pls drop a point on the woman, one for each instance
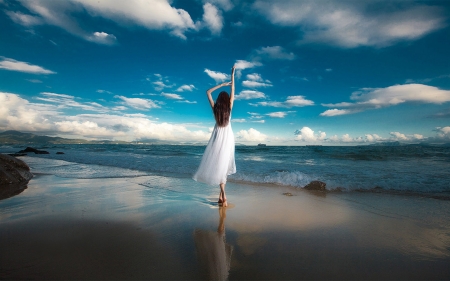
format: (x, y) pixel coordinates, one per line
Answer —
(218, 160)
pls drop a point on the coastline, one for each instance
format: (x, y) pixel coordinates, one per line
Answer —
(143, 227)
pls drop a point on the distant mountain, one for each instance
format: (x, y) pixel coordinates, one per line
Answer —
(16, 137)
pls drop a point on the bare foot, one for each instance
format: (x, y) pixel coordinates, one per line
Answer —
(225, 203)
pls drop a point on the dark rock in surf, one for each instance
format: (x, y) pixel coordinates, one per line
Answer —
(17, 154)
(59, 152)
(14, 176)
(316, 185)
(36, 151)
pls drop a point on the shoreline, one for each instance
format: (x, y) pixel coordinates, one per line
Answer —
(158, 227)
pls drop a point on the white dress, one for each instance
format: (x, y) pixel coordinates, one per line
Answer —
(218, 159)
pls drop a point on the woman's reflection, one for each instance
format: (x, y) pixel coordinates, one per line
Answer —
(213, 252)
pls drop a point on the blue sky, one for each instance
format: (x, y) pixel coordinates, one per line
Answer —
(308, 72)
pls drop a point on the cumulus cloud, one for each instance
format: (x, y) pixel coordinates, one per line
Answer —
(249, 94)
(102, 38)
(254, 80)
(14, 65)
(308, 135)
(243, 64)
(183, 88)
(212, 18)
(17, 113)
(138, 103)
(255, 84)
(251, 135)
(278, 114)
(373, 137)
(225, 5)
(369, 98)
(397, 136)
(272, 53)
(152, 14)
(217, 76)
(352, 24)
(291, 101)
(443, 132)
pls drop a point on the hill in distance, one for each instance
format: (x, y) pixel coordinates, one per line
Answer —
(16, 137)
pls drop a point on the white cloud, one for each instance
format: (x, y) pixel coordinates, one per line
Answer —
(258, 121)
(255, 84)
(14, 65)
(351, 24)
(138, 103)
(19, 114)
(255, 77)
(273, 53)
(334, 112)
(102, 38)
(66, 101)
(370, 98)
(251, 135)
(160, 85)
(443, 132)
(373, 137)
(172, 96)
(183, 88)
(279, 114)
(217, 76)
(151, 14)
(226, 5)
(24, 19)
(212, 18)
(103, 91)
(243, 64)
(291, 101)
(238, 120)
(186, 101)
(397, 136)
(308, 135)
(249, 94)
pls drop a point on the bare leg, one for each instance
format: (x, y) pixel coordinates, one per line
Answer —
(224, 197)
(220, 197)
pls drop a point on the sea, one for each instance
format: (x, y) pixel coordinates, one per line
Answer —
(422, 170)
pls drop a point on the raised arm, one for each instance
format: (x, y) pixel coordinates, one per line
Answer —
(208, 93)
(232, 87)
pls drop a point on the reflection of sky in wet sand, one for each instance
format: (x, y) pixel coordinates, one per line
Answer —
(340, 235)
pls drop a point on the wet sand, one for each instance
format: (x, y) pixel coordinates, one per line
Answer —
(159, 227)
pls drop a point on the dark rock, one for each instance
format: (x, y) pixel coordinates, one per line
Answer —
(288, 194)
(14, 176)
(316, 185)
(59, 152)
(30, 149)
(17, 154)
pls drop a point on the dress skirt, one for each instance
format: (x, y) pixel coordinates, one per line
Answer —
(218, 160)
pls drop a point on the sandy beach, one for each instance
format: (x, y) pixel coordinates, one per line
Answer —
(168, 227)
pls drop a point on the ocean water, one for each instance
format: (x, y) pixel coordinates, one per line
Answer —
(411, 169)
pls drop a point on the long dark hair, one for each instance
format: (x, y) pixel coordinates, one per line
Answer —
(222, 109)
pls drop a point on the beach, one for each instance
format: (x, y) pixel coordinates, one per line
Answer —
(170, 227)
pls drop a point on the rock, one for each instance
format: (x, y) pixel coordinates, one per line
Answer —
(30, 149)
(17, 154)
(288, 194)
(316, 185)
(14, 176)
(59, 152)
